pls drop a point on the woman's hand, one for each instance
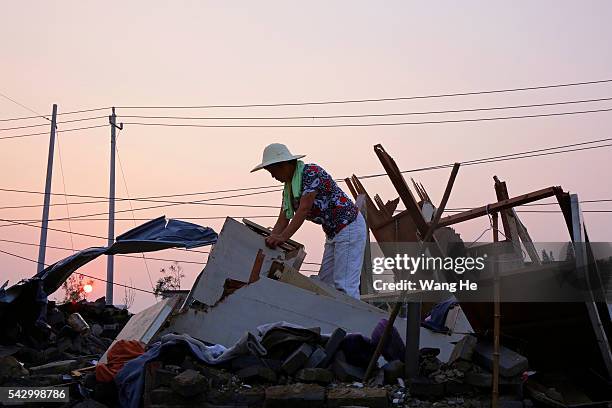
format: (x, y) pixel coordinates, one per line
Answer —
(275, 240)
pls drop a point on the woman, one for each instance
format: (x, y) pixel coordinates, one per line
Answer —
(312, 194)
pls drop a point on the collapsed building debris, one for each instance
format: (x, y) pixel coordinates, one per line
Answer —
(253, 331)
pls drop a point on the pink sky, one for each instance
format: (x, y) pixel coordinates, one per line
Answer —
(84, 54)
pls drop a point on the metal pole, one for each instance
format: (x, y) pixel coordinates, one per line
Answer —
(42, 247)
(111, 211)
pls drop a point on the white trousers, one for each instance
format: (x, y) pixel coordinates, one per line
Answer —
(343, 258)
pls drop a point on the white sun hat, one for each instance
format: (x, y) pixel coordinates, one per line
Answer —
(276, 153)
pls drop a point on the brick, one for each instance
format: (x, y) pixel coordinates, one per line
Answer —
(368, 397)
(315, 375)
(297, 359)
(189, 383)
(317, 358)
(511, 363)
(345, 371)
(333, 344)
(295, 395)
(464, 349)
(11, 368)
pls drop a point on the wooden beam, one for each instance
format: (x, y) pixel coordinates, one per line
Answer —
(499, 206)
(402, 188)
(449, 186)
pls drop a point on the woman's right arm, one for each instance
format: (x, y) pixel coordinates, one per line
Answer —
(281, 223)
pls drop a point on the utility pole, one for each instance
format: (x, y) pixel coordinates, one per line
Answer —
(42, 247)
(111, 208)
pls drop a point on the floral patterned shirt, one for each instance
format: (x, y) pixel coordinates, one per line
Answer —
(332, 208)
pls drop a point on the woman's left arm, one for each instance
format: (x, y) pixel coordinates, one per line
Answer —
(306, 202)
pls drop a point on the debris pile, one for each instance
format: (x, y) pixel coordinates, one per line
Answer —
(255, 332)
(60, 348)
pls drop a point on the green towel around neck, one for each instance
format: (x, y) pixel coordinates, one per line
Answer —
(295, 188)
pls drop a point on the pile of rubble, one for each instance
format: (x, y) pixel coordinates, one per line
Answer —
(69, 338)
(300, 367)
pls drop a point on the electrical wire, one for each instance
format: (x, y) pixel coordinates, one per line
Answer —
(82, 274)
(369, 115)
(491, 159)
(59, 152)
(402, 98)
(59, 123)
(127, 192)
(120, 255)
(339, 125)
(25, 107)
(46, 133)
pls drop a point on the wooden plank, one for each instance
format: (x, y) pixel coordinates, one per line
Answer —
(366, 281)
(526, 238)
(510, 230)
(498, 206)
(402, 188)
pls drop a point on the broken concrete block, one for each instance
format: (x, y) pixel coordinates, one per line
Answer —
(57, 367)
(315, 375)
(317, 358)
(189, 383)
(10, 367)
(393, 370)
(257, 374)
(333, 344)
(511, 363)
(345, 371)
(297, 359)
(367, 397)
(464, 349)
(295, 395)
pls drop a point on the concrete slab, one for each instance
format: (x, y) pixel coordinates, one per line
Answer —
(232, 258)
(144, 326)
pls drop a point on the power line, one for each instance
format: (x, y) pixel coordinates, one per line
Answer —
(121, 255)
(46, 133)
(338, 125)
(130, 202)
(79, 273)
(30, 222)
(366, 115)
(60, 113)
(329, 102)
(24, 107)
(59, 123)
(402, 98)
(142, 198)
(59, 151)
(490, 159)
